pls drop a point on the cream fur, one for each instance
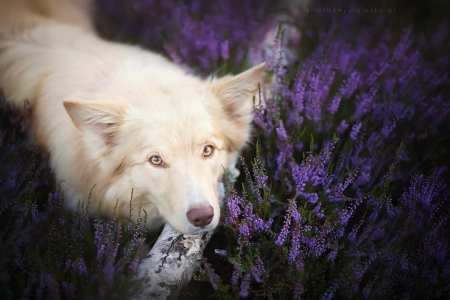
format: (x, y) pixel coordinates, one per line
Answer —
(102, 109)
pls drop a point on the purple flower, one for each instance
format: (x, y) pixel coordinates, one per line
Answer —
(81, 267)
(342, 127)
(236, 272)
(294, 252)
(294, 211)
(101, 252)
(281, 132)
(298, 290)
(375, 74)
(332, 255)
(334, 106)
(258, 224)
(317, 208)
(351, 84)
(212, 276)
(260, 265)
(311, 197)
(245, 286)
(108, 272)
(355, 131)
(284, 231)
(233, 203)
(259, 173)
(244, 229)
(256, 274)
(134, 265)
(220, 252)
(364, 103)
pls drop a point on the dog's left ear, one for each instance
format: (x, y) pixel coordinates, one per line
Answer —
(236, 92)
(99, 121)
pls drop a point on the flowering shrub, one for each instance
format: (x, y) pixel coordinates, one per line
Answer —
(343, 196)
(205, 35)
(331, 220)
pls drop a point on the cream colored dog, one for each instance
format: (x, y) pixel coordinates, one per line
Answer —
(121, 117)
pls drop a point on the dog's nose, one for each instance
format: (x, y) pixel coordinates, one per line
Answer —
(200, 216)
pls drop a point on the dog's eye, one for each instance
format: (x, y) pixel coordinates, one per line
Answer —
(156, 160)
(208, 151)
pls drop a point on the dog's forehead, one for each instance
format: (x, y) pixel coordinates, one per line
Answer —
(174, 109)
(175, 121)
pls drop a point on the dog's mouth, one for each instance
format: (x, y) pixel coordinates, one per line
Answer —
(193, 230)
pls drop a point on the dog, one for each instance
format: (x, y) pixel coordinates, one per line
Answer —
(124, 119)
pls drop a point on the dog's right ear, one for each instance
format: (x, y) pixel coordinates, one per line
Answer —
(99, 121)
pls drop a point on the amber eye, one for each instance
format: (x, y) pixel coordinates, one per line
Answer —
(208, 150)
(156, 160)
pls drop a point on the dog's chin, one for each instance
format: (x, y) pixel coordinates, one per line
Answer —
(198, 231)
(192, 230)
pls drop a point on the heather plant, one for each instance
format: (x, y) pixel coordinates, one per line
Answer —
(331, 220)
(308, 247)
(344, 194)
(404, 248)
(371, 97)
(203, 35)
(47, 253)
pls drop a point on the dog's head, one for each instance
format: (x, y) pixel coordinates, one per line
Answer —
(169, 143)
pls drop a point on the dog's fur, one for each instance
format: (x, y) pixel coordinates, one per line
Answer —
(102, 109)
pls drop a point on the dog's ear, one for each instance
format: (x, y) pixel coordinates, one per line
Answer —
(99, 121)
(235, 94)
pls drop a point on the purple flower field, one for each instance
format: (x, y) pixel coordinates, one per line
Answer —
(343, 194)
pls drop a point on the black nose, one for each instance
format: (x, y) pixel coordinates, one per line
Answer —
(200, 216)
